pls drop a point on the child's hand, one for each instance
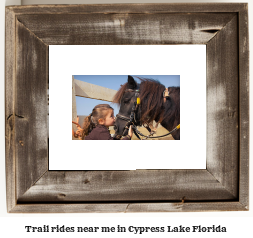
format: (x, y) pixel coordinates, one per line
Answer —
(130, 131)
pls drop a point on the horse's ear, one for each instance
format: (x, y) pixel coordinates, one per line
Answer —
(131, 82)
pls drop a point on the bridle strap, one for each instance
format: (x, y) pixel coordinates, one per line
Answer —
(148, 137)
(123, 117)
(131, 120)
(136, 134)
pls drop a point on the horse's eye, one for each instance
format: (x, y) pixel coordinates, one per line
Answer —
(127, 100)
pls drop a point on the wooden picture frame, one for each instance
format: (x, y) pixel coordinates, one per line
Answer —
(222, 186)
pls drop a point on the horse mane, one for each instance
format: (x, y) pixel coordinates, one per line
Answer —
(173, 113)
(117, 97)
(151, 97)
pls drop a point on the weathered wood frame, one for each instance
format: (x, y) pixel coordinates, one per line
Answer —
(222, 186)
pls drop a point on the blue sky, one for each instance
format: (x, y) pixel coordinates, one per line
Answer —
(85, 105)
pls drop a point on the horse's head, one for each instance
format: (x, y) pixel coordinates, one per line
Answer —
(127, 98)
(154, 105)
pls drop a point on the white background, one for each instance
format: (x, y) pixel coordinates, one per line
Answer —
(187, 153)
(239, 224)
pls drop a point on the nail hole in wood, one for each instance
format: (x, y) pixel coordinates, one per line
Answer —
(61, 195)
(86, 181)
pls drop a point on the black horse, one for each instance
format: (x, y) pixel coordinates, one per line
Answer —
(153, 105)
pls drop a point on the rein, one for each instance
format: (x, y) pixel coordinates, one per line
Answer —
(132, 120)
(151, 134)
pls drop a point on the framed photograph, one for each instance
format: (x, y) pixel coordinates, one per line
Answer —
(215, 111)
(174, 65)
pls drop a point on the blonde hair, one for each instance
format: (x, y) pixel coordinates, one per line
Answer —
(90, 122)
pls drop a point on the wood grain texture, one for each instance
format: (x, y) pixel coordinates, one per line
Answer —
(129, 207)
(186, 207)
(88, 90)
(222, 107)
(223, 186)
(10, 65)
(131, 29)
(30, 108)
(74, 112)
(155, 8)
(139, 185)
(244, 106)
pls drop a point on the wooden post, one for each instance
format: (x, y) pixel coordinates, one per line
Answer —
(74, 113)
(88, 90)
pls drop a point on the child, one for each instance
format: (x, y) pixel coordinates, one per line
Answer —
(95, 126)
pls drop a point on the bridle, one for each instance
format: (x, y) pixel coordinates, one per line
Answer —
(132, 119)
